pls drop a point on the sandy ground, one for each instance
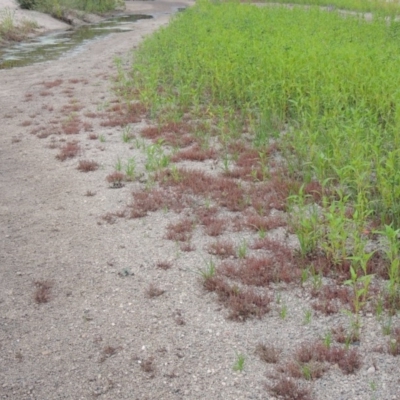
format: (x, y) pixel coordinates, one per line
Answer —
(99, 335)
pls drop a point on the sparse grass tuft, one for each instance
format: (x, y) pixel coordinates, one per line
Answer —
(239, 363)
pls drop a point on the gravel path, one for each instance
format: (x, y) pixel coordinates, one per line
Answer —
(101, 334)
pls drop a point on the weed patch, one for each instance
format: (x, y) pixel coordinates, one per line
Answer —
(87, 165)
(69, 150)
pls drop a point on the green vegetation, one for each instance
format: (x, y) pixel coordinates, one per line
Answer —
(239, 363)
(331, 81)
(11, 30)
(376, 6)
(312, 99)
(56, 7)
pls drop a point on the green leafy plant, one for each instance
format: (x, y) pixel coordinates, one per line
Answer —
(118, 165)
(130, 169)
(307, 317)
(283, 311)
(209, 271)
(126, 134)
(239, 363)
(156, 158)
(242, 250)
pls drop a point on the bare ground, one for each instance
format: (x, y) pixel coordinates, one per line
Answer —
(77, 319)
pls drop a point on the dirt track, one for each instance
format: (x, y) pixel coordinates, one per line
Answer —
(99, 336)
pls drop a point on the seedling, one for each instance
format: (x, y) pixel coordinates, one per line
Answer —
(209, 271)
(387, 327)
(239, 363)
(242, 250)
(118, 165)
(262, 233)
(307, 317)
(126, 134)
(130, 169)
(156, 158)
(328, 339)
(283, 311)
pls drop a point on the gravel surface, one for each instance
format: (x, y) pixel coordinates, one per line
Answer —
(77, 319)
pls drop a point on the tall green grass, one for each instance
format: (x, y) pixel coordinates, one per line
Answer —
(55, 7)
(383, 7)
(332, 81)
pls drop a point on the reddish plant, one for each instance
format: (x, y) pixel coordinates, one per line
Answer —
(115, 179)
(222, 190)
(187, 247)
(164, 265)
(87, 166)
(155, 199)
(260, 223)
(222, 248)
(74, 106)
(43, 291)
(309, 370)
(288, 389)
(214, 226)
(147, 365)
(44, 134)
(90, 114)
(242, 304)
(69, 150)
(122, 115)
(194, 153)
(331, 298)
(51, 84)
(72, 126)
(180, 231)
(268, 354)
(348, 360)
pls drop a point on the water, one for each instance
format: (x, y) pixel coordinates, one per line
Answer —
(56, 44)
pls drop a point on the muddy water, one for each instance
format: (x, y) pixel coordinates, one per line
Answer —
(57, 44)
